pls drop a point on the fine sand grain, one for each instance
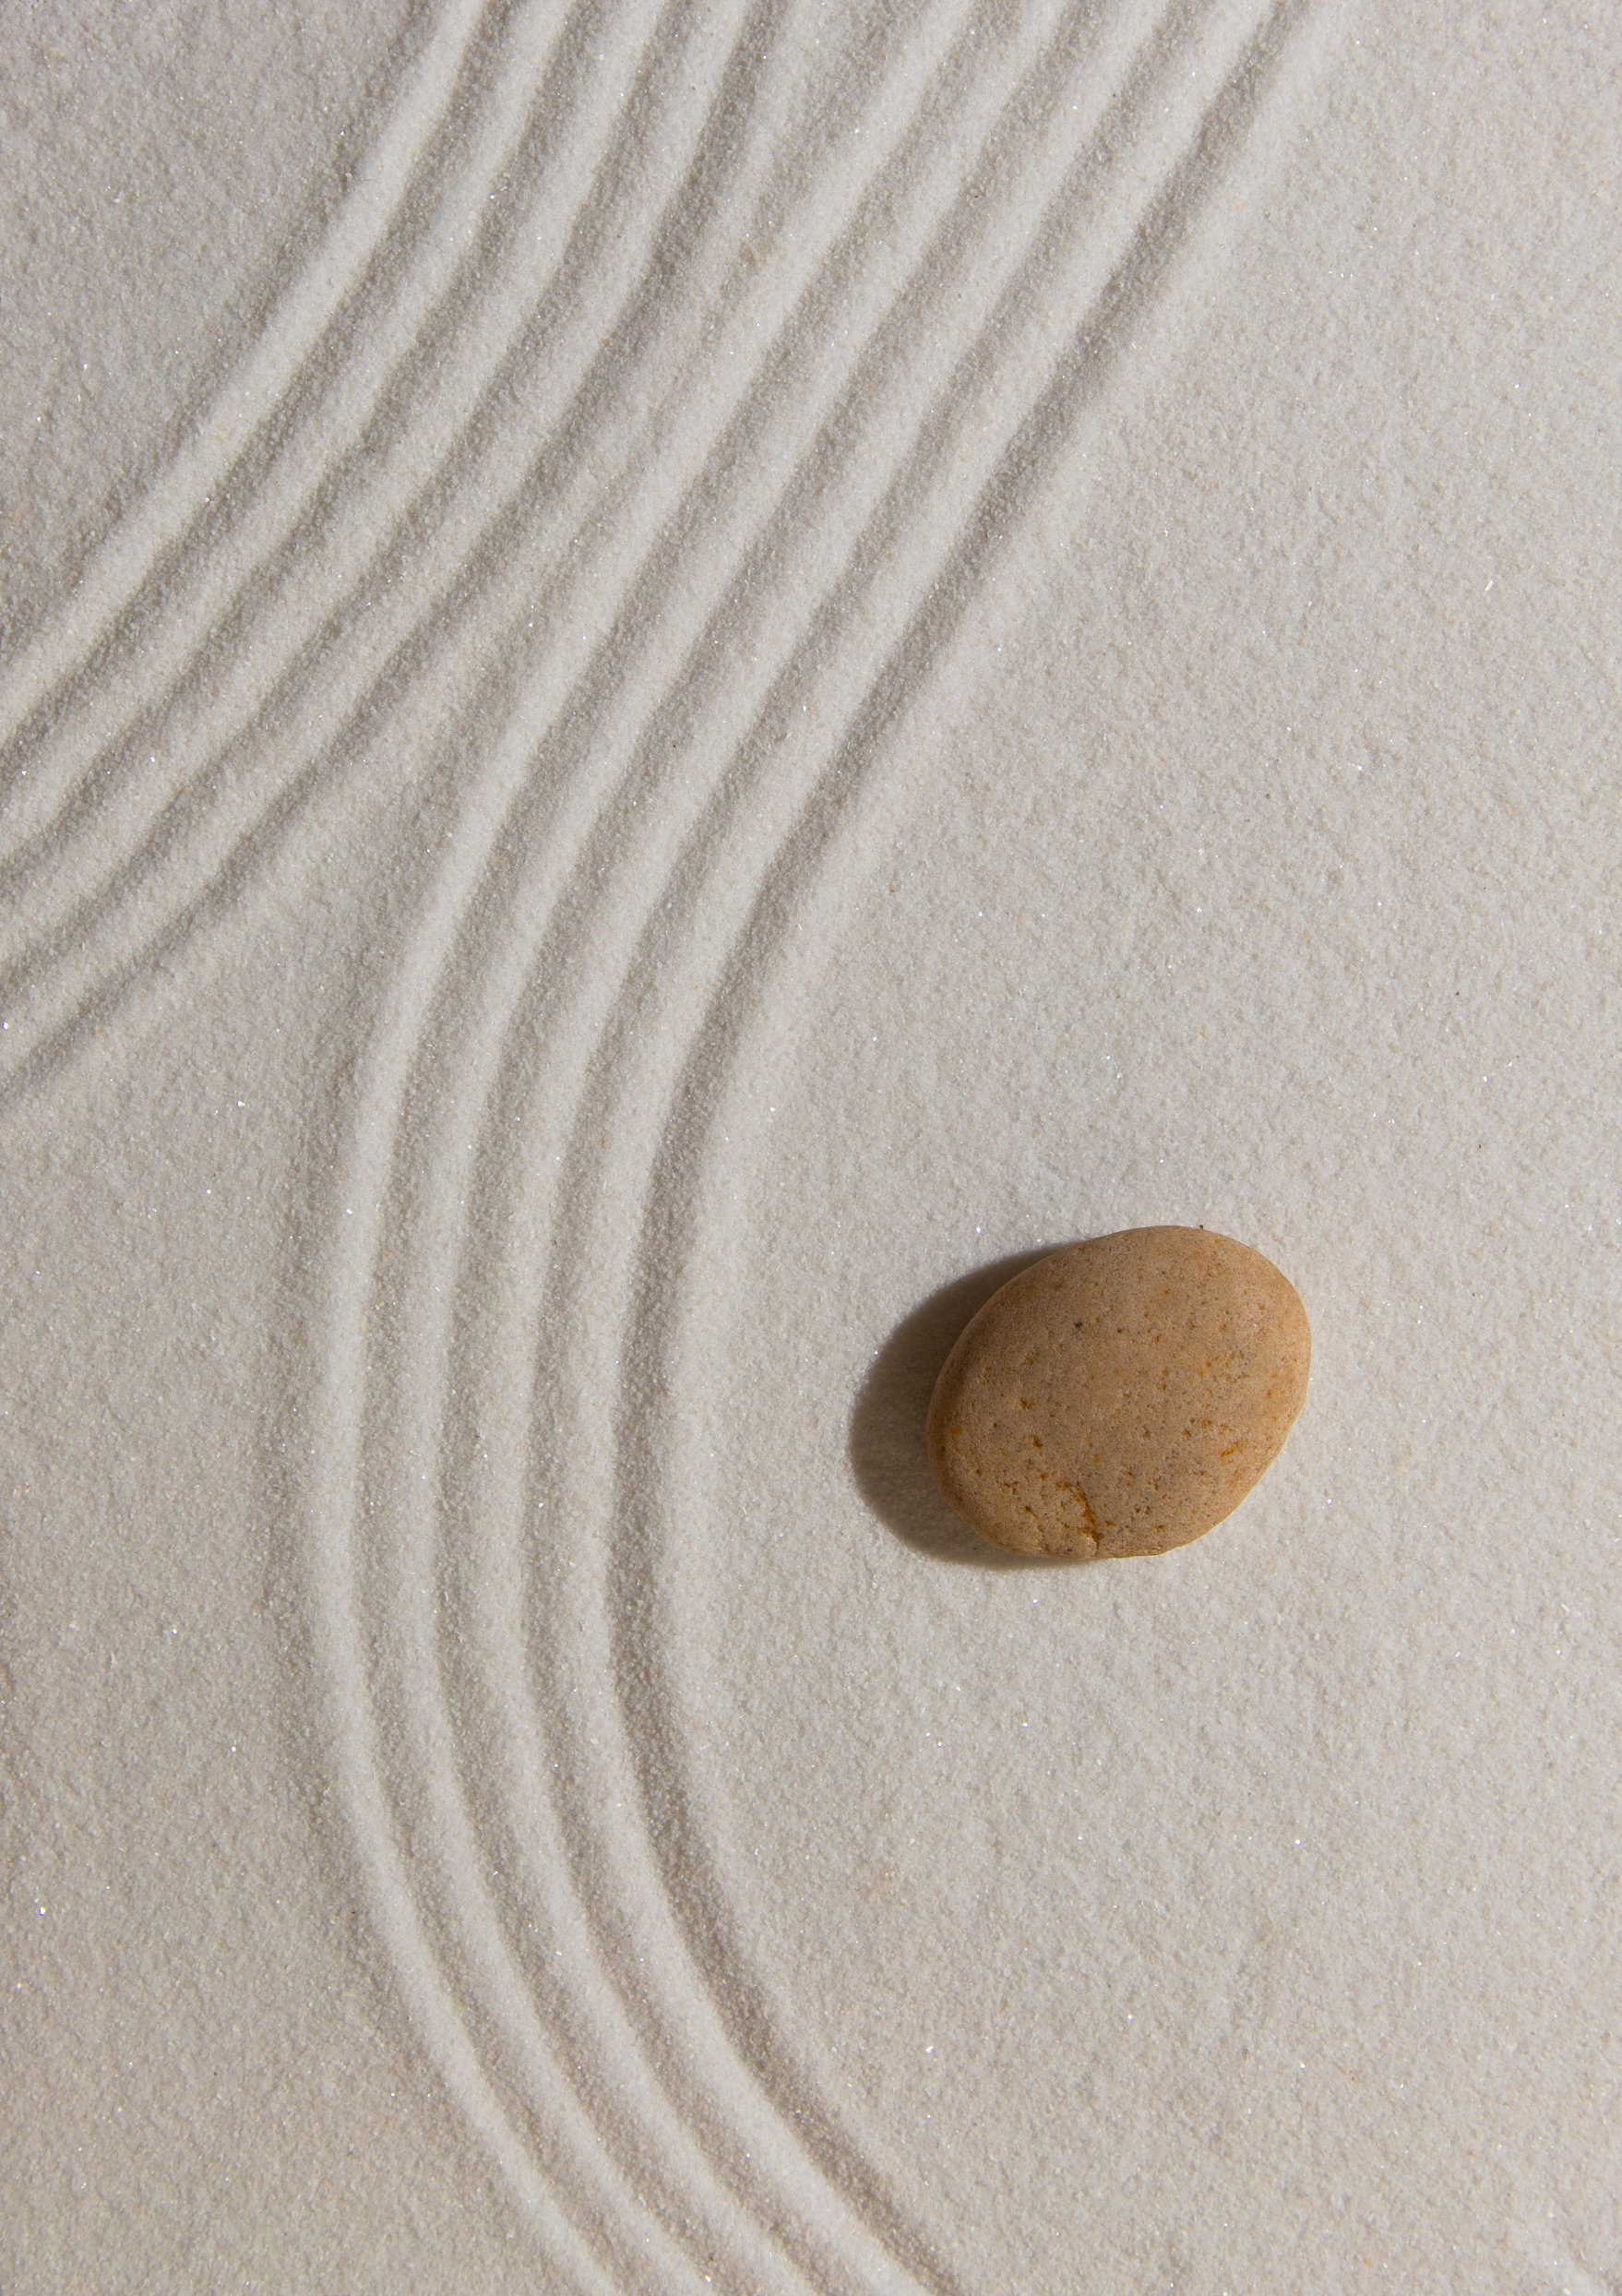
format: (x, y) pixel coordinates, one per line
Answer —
(676, 682)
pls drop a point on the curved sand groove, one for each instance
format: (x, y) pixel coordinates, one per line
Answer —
(969, 690)
(247, 850)
(125, 560)
(656, 1454)
(650, 1413)
(72, 944)
(352, 688)
(338, 402)
(299, 608)
(401, 399)
(414, 1952)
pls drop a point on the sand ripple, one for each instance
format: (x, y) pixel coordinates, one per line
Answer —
(608, 484)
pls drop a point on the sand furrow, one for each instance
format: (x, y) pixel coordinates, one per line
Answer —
(446, 1162)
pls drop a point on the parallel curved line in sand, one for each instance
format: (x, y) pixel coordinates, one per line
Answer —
(336, 484)
(70, 939)
(354, 1751)
(309, 497)
(1125, 305)
(249, 850)
(649, 1411)
(476, 2112)
(394, 1884)
(203, 593)
(136, 544)
(74, 933)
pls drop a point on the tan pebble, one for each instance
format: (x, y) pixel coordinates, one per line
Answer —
(1120, 1396)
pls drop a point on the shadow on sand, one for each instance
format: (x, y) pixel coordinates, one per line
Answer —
(888, 1456)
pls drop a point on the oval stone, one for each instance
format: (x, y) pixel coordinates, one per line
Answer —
(1121, 1396)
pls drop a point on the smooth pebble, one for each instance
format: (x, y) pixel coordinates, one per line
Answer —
(1120, 1396)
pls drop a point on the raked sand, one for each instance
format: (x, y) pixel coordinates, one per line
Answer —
(676, 680)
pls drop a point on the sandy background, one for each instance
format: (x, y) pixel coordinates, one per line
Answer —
(674, 678)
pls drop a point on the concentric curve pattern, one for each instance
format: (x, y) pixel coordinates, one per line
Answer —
(604, 492)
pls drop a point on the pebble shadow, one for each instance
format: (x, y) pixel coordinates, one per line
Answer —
(888, 1456)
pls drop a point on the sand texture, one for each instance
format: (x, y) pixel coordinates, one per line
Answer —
(677, 681)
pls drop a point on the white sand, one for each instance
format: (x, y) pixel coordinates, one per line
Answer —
(673, 679)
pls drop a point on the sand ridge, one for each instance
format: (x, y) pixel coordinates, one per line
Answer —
(525, 667)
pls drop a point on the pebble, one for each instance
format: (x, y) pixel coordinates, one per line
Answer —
(1121, 1396)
